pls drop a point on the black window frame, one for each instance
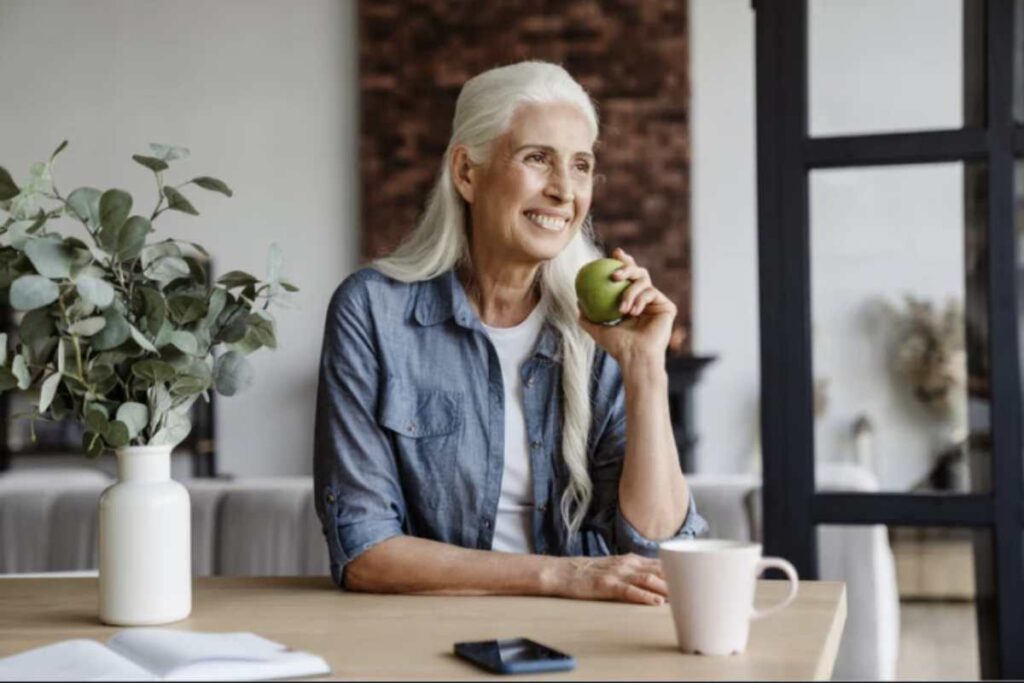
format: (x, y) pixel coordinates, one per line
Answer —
(786, 154)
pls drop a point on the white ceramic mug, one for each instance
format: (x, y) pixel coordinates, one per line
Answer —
(711, 591)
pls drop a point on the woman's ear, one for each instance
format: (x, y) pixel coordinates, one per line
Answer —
(463, 173)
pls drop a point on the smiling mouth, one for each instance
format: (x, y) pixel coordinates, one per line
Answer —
(547, 222)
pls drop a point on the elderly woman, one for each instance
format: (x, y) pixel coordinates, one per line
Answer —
(475, 434)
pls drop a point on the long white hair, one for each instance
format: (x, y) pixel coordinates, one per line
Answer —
(483, 113)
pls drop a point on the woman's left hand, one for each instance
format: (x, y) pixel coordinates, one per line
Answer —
(647, 321)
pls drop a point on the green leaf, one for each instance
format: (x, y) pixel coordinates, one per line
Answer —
(95, 291)
(177, 202)
(232, 373)
(40, 351)
(132, 238)
(188, 385)
(114, 333)
(140, 339)
(30, 292)
(36, 325)
(159, 404)
(176, 427)
(92, 444)
(61, 362)
(115, 205)
(218, 297)
(232, 324)
(60, 148)
(135, 416)
(48, 391)
(20, 369)
(186, 308)
(51, 258)
(196, 269)
(208, 183)
(155, 251)
(236, 278)
(3, 348)
(169, 152)
(117, 434)
(289, 287)
(7, 379)
(99, 372)
(38, 223)
(152, 163)
(149, 309)
(87, 327)
(153, 371)
(96, 420)
(8, 188)
(199, 248)
(263, 330)
(184, 341)
(85, 205)
(168, 269)
(163, 337)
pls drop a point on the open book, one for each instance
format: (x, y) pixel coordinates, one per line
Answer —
(153, 654)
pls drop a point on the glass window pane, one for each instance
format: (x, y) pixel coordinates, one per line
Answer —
(897, 302)
(912, 601)
(886, 65)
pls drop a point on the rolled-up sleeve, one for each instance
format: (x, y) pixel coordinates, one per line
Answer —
(607, 456)
(357, 491)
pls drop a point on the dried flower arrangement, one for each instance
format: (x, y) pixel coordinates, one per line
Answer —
(929, 353)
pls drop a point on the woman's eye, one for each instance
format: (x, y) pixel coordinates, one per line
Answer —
(536, 156)
(583, 166)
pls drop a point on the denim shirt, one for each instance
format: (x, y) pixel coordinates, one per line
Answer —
(410, 428)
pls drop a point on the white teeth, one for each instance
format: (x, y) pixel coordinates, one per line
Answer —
(548, 222)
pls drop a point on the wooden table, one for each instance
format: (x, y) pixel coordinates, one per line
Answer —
(410, 637)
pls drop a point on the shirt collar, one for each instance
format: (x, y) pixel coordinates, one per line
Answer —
(443, 298)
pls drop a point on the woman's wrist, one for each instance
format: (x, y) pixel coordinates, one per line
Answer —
(549, 576)
(643, 368)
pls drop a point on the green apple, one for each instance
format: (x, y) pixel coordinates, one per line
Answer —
(598, 293)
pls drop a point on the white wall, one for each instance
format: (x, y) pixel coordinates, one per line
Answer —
(725, 307)
(875, 232)
(264, 93)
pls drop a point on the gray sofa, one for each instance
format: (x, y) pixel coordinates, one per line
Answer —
(264, 527)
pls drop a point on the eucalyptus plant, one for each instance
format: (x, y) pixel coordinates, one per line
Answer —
(120, 331)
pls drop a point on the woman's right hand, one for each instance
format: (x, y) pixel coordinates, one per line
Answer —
(626, 578)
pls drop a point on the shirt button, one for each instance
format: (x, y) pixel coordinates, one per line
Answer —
(535, 444)
(529, 381)
(487, 524)
(412, 426)
(330, 497)
(542, 507)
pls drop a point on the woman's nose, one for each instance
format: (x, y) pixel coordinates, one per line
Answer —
(560, 187)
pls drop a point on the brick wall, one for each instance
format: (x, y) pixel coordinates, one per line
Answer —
(632, 57)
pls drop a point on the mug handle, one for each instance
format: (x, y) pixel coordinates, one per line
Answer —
(794, 582)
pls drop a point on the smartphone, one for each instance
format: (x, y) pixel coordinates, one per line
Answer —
(514, 656)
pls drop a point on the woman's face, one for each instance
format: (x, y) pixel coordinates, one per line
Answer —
(531, 197)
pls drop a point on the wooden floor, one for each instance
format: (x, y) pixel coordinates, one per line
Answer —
(938, 641)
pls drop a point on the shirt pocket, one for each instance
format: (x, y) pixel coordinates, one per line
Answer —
(426, 426)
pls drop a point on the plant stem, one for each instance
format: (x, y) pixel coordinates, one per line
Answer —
(159, 194)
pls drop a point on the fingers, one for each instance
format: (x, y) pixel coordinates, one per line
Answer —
(644, 583)
(631, 593)
(641, 292)
(621, 255)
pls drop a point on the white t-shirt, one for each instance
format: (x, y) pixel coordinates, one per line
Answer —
(512, 533)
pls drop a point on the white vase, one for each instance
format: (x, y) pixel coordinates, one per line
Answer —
(145, 542)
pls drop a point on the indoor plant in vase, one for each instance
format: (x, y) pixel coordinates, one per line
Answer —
(123, 333)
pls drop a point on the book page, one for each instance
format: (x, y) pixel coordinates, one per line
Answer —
(188, 655)
(71, 660)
